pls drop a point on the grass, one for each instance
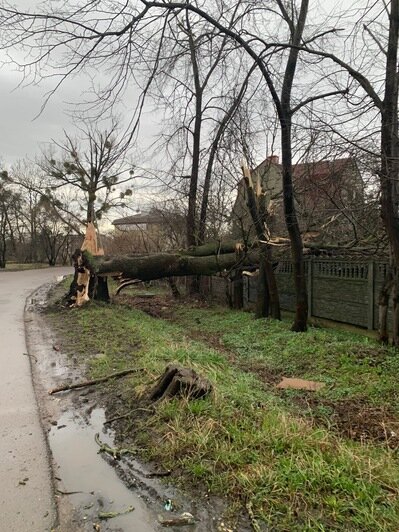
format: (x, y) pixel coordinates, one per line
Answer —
(351, 365)
(249, 441)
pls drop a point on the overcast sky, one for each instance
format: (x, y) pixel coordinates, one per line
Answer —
(22, 134)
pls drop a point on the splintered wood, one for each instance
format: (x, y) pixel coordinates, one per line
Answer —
(90, 243)
(300, 384)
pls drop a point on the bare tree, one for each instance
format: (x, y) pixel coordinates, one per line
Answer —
(54, 233)
(295, 20)
(377, 28)
(9, 208)
(95, 167)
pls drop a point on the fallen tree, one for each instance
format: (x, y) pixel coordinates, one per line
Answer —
(91, 272)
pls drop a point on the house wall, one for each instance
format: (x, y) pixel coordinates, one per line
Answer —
(320, 199)
(270, 177)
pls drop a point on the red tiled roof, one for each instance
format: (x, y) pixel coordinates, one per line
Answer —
(321, 169)
(313, 171)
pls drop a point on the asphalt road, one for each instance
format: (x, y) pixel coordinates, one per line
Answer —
(26, 498)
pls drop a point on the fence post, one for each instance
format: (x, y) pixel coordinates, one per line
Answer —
(310, 286)
(370, 296)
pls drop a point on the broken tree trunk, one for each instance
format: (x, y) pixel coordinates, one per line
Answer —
(162, 265)
(213, 248)
(180, 382)
(149, 267)
(268, 301)
(86, 283)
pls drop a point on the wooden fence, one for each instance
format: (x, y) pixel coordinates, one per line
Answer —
(344, 291)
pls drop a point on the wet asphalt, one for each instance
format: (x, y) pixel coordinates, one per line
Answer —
(26, 497)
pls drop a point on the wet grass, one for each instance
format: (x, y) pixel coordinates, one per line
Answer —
(351, 365)
(248, 440)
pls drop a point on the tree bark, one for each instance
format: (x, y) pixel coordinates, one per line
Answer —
(389, 174)
(285, 117)
(383, 305)
(163, 265)
(90, 270)
(263, 296)
(267, 285)
(180, 382)
(212, 248)
(237, 299)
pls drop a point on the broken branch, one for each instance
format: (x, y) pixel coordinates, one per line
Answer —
(94, 381)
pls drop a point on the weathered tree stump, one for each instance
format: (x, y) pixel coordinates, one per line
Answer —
(177, 381)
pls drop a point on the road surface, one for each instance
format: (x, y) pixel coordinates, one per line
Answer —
(26, 498)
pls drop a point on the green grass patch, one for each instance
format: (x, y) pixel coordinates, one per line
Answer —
(247, 440)
(351, 365)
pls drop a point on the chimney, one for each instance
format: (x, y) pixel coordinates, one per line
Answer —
(272, 159)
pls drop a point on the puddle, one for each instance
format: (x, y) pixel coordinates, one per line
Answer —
(81, 469)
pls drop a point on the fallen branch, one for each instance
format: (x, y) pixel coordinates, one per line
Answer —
(60, 492)
(111, 515)
(112, 451)
(83, 384)
(125, 284)
(254, 522)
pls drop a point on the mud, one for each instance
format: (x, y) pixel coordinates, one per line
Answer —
(352, 418)
(157, 306)
(87, 483)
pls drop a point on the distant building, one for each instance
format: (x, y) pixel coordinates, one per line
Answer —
(328, 194)
(149, 232)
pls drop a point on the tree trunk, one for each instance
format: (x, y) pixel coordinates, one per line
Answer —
(262, 296)
(173, 287)
(237, 296)
(389, 174)
(212, 248)
(146, 268)
(395, 309)
(383, 305)
(267, 285)
(177, 381)
(272, 289)
(301, 310)
(163, 265)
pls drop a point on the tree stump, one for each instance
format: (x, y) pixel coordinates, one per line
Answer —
(177, 381)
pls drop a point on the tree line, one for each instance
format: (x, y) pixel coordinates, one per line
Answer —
(228, 78)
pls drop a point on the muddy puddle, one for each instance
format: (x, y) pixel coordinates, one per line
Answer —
(98, 488)
(88, 483)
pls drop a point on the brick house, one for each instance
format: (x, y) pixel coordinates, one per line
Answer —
(329, 197)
